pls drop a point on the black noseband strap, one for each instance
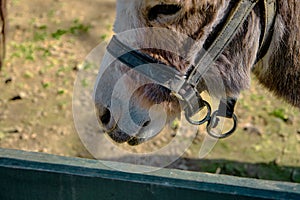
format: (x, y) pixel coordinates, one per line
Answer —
(159, 73)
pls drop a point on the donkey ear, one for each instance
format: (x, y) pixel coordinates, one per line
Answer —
(280, 69)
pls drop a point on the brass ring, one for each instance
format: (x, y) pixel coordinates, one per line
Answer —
(212, 124)
(205, 119)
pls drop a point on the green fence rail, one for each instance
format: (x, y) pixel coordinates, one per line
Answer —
(25, 175)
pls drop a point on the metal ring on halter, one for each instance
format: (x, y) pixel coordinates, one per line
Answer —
(206, 119)
(212, 124)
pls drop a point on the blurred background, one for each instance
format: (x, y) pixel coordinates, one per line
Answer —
(46, 43)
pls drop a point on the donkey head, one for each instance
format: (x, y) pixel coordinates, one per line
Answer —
(193, 19)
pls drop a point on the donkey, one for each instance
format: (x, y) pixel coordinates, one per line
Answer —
(278, 68)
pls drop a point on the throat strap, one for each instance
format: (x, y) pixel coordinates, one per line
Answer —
(269, 14)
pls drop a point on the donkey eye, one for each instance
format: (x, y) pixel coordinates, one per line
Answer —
(162, 9)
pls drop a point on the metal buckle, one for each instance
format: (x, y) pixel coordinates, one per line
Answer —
(214, 123)
(171, 79)
(205, 119)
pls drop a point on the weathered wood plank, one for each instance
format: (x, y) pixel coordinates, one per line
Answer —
(31, 176)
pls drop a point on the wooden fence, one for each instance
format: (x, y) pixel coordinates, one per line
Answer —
(25, 175)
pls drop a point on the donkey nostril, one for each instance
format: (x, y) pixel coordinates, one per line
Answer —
(105, 118)
(146, 123)
(162, 9)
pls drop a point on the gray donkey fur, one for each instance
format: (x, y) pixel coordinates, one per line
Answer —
(279, 70)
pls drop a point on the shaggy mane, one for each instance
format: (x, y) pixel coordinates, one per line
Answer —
(280, 70)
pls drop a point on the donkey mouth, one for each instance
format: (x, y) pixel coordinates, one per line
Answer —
(136, 141)
(120, 137)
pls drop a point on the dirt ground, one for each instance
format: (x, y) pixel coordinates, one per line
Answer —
(47, 42)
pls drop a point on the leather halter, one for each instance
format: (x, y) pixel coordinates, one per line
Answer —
(185, 86)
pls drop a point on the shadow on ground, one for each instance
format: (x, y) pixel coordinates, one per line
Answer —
(268, 171)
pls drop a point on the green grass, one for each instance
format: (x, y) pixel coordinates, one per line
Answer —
(85, 83)
(59, 33)
(103, 36)
(63, 69)
(15, 2)
(38, 36)
(51, 13)
(61, 91)
(28, 51)
(40, 33)
(279, 113)
(46, 85)
(28, 74)
(23, 50)
(76, 28)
